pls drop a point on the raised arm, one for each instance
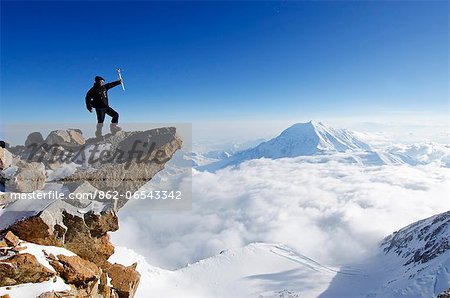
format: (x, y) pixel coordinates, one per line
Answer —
(112, 84)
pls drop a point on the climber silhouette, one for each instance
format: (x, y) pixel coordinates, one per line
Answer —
(97, 97)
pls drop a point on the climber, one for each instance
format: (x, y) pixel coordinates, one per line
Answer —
(97, 97)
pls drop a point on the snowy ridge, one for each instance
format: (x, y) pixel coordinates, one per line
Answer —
(422, 241)
(275, 270)
(413, 262)
(256, 270)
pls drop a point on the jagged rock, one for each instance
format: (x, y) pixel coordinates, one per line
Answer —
(104, 289)
(80, 193)
(79, 293)
(5, 158)
(75, 270)
(87, 242)
(38, 230)
(22, 268)
(129, 171)
(428, 231)
(51, 155)
(18, 249)
(34, 138)
(76, 136)
(86, 235)
(82, 227)
(17, 150)
(445, 294)
(11, 239)
(66, 138)
(30, 176)
(124, 280)
(53, 294)
(100, 224)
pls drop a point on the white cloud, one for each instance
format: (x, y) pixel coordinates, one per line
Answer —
(333, 212)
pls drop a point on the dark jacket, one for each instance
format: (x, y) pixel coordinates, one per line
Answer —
(97, 96)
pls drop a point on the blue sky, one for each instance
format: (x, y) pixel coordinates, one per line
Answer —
(227, 61)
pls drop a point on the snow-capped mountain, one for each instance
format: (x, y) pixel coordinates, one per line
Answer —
(306, 139)
(301, 139)
(316, 139)
(413, 262)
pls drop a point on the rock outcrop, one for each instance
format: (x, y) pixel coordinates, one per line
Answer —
(5, 158)
(124, 279)
(75, 270)
(429, 232)
(22, 268)
(119, 163)
(30, 176)
(445, 294)
(34, 138)
(65, 138)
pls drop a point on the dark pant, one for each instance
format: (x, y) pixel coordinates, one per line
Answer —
(108, 111)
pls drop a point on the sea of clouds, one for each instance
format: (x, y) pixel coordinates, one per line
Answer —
(331, 211)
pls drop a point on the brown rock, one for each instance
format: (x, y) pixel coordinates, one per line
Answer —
(75, 270)
(3, 243)
(5, 296)
(65, 138)
(76, 136)
(38, 230)
(86, 236)
(22, 268)
(86, 291)
(53, 294)
(103, 289)
(88, 244)
(19, 248)
(100, 224)
(124, 280)
(11, 239)
(5, 158)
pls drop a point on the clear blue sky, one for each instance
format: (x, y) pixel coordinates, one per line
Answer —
(191, 61)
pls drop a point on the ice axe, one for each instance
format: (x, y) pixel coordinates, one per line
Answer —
(120, 77)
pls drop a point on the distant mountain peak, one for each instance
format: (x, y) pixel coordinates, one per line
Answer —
(308, 138)
(300, 139)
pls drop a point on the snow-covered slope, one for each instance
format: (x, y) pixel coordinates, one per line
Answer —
(301, 139)
(413, 262)
(256, 270)
(306, 139)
